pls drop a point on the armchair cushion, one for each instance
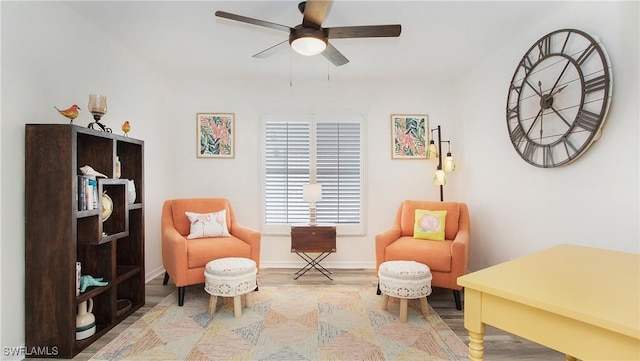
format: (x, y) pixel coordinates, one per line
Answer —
(429, 225)
(208, 224)
(202, 250)
(422, 252)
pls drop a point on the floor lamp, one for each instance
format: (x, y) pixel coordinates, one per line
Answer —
(435, 151)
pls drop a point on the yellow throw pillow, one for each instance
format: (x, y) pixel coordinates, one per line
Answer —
(429, 225)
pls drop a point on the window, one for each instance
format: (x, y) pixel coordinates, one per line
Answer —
(311, 149)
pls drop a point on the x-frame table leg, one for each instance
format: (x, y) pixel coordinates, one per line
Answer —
(313, 263)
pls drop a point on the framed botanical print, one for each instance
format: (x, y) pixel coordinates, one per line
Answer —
(409, 136)
(215, 135)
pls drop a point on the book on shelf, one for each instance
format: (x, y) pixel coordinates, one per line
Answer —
(87, 193)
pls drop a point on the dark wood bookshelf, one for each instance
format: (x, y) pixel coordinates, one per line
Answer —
(57, 234)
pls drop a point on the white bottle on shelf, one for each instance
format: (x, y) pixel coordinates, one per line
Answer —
(118, 170)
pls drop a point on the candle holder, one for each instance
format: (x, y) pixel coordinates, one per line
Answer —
(98, 107)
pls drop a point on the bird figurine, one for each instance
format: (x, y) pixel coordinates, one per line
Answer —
(71, 113)
(126, 127)
(88, 170)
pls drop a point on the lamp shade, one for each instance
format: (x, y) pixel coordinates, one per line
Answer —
(312, 193)
(449, 163)
(432, 151)
(308, 46)
(439, 178)
(307, 41)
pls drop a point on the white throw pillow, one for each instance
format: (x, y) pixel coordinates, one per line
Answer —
(208, 224)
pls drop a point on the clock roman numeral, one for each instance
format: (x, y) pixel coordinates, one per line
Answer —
(512, 112)
(587, 120)
(515, 87)
(547, 156)
(526, 63)
(595, 84)
(529, 150)
(517, 134)
(544, 47)
(586, 53)
(569, 147)
(566, 40)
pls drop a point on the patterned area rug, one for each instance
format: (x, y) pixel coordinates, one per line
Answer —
(287, 323)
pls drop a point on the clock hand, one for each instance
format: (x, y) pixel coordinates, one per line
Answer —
(560, 115)
(541, 111)
(560, 77)
(559, 90)
(539, 115)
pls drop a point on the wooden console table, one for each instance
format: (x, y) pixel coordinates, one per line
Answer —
(319, 239)
(581, 301)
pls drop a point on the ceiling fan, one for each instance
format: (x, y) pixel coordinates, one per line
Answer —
(310, 38)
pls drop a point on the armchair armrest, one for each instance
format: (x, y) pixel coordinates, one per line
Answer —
(384, 239)
(249, 236)
(459, 255)
(174, 254)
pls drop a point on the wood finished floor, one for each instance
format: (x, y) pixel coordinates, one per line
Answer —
(498, 345)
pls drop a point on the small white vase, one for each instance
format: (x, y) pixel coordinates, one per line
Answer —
(85, 320)
(131, 189)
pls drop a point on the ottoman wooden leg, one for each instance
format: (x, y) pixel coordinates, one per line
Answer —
(385, 301)
(249, 299)
(237, 306)
(403, 309)
(213, 301)
(425, 306)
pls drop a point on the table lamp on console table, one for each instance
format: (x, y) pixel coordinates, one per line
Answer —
(312, 193)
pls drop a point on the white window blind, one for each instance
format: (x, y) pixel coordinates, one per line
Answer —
(338, 170)
(287, 164)
(297, 152)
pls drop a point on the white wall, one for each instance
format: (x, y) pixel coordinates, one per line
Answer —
(50, 56)
(517, 208)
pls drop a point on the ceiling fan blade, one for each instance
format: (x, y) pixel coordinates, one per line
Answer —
(272, 50)
(315, 11)
(366, 31)
(248, 20)
(334, 56)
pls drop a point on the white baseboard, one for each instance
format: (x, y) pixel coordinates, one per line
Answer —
(328, 264)
(153, 274)
(283, 264)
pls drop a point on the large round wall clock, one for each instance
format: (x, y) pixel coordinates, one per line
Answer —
(558, 98)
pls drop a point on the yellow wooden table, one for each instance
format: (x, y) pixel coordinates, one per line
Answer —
(581, 301)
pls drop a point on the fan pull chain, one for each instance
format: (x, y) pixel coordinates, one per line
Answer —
(290, 71)
(328, 71)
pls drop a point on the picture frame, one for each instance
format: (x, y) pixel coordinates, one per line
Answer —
(409, 136)
(215, 136)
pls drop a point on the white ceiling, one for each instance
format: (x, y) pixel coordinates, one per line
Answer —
(439, 41)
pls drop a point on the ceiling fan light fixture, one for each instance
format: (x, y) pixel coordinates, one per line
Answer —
(308, 41)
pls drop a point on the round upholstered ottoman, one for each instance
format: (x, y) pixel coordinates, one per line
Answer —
(230, 277)
(405, 280)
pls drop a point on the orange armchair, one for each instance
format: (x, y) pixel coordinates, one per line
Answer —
(447, 259)
(185, 259)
